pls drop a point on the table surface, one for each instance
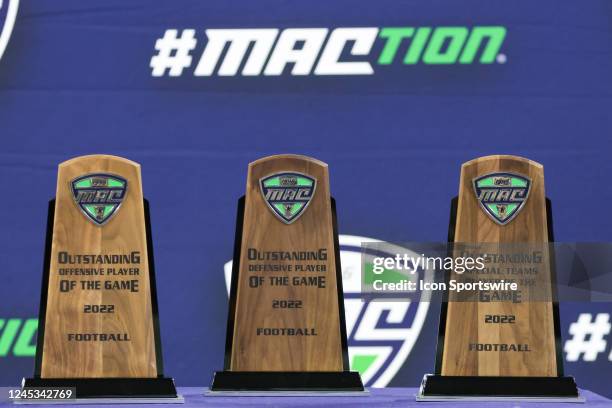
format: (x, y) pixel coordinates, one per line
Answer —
(377, 397)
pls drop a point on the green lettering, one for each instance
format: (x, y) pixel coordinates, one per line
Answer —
(434, 53)
(394, 36)
(495, 36)
(25, 346)
(417, 45)
(8, 335)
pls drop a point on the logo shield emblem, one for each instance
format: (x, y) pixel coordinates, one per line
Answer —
(99, 195)
(287, 194)
(502, 195)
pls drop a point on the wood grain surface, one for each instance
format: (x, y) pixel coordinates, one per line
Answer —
(534, 324)
(75, 234)
(263, 231)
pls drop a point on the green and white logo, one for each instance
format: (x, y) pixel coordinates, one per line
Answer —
(99, 196)
(502, 195)
(323, 51)
(287, 194)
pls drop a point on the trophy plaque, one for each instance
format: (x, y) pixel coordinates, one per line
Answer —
(99, 326)
(286, 328)
(489, 347)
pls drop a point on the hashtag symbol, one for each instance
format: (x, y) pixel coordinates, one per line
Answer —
(173, 53)
(587, 337)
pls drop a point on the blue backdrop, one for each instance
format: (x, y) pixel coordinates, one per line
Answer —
(75, 79)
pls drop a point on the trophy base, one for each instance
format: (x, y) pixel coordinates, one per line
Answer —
(445, 387)
(329, 381)
(159, 387)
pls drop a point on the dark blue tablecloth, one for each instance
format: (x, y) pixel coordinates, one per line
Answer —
(378, 397)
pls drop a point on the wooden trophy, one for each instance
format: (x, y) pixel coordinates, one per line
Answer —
(286, 329)
(99, 326)
(500, 345)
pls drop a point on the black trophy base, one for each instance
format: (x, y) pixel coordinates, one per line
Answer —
(263, 381)
(447, 386)
(159, 387)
